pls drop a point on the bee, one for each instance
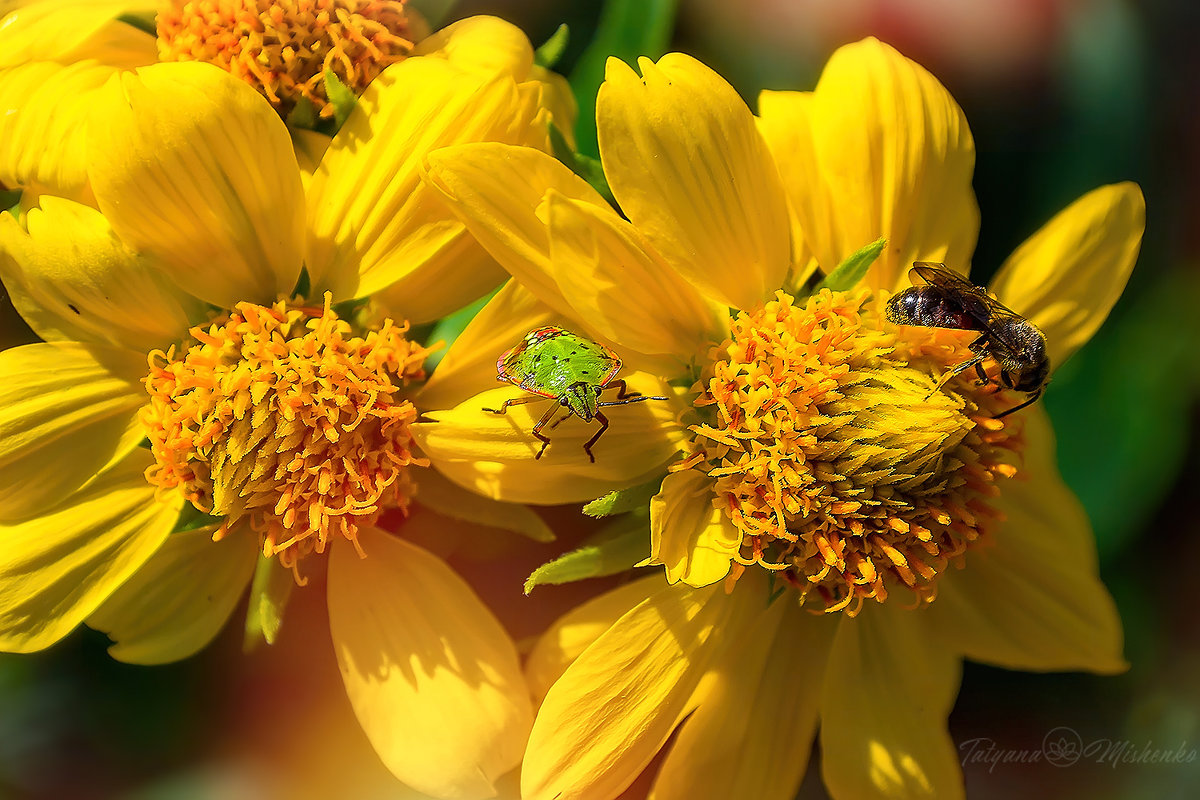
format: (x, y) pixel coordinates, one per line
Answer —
(949, 301)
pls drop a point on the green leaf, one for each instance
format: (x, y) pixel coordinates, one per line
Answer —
(851, 271)
(626, 29)
(190, 518)
(9, 198)
(615, 548)
(303, 284)
(142, 20)
(585, 167)
(450, 327)
(269, 593)
(622, 500)
(303, 115)
(552, 49)
(340, 95)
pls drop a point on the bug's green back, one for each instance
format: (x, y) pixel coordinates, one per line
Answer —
(551, 360)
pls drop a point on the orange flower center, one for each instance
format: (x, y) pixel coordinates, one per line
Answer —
(847, 475)
(283, 48)
(282, 417)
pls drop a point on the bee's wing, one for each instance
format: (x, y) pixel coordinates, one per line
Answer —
(986, 311)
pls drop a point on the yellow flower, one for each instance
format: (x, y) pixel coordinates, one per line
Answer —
(55, 54)
(839, 530)
(278, 424)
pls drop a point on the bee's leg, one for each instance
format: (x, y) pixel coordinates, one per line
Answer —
(537, 429)
(587, 446)
(984, 380)
(520, 401)
(1032, 398)
(974, 361)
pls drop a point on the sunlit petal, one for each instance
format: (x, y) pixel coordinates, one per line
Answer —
(889, 686)
(432, 676)
(56, 569)
(689, 535)
(180, 599)
(194, 169)
(66, 410)
(690, 170)
(1067, 276)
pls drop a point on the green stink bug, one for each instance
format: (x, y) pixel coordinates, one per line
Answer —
(551, 362)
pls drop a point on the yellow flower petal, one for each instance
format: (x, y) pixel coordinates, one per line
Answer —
(613, 279)
(66, 410)
(694, 539)
(497, 190)
(431, 674)
(481, 44)
(887, 152)
(559, 100)
(1067, 276)
(615, 706)
(180, 599)
(66, 32)
(470, 365)
(456, 503)
(44, 112)
(57, 568)
(193, 168)
(1033, 600)
(575, 631)
(372, 221)
(687, 165)
(751, 734)
(496, 454)
(889, 686)
(72, 279)
(784, 127)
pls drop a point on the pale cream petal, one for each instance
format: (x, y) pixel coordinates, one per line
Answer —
(431, 674)
(496, 454)
(689, 534)
(497, 191)
(180, 599)
(1067, 276)
(612, 278)
(44, 112)
(884, 150)
(72, 279)
(751, 734)
(688, 167)
(469, 367)
(56, 569)
(194, 169)
(889, 686)
(482, 44)
(372, 221)
(613, 709)
(67, 31)
(1033, 599)
(575, 631)
(66, 410)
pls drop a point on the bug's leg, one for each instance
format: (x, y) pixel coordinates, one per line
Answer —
(1033, 397)
(639, 398)
(520, 401)
(587, 446)
(537, 429)
(622, 389)
(562, 419)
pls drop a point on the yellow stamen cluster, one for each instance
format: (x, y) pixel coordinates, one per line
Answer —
(280, 415)
(844, 474)
(283, 48)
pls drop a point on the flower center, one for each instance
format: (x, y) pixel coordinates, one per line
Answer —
(280, 415)
(844, 474)
(283, 48)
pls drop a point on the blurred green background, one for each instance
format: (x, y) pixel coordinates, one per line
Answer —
(1062, 96)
